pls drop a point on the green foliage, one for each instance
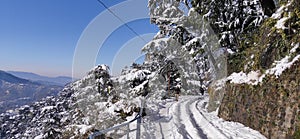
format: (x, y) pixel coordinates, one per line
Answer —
(263, 103)
(235, 62)
(297, 133)
(200, 52)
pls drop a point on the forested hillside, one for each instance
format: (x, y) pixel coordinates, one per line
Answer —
(236, 59)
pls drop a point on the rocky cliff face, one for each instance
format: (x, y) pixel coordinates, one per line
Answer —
(269, 103)
(271, 108)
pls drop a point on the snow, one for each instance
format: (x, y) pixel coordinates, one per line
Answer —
(140, 87)
(47, 108)
(194, 40)
(82, 129)
(230, 51)
(252, 77)
(194, 82)
(280, 23)
(155, 42)
(134, 74)
(280, 10)
(293, 50)
(282, 65)
(278, 13)
(39, 137)
(217, 127)
(255, 77)
(188, 118)
(182, 119)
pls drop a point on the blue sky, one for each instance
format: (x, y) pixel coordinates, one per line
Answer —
(40, 36)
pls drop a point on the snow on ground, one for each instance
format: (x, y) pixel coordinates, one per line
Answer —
(252, 78)
(280, 23)
(278, 15)
(255, 77)
(282, 65)
(188, 119)
(47, 108)
(39, 137)
(228, 129)
(293, 50)
(280, 10)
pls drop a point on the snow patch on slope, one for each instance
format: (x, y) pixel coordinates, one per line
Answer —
(255, 77)
(282, 65)
(280, 10)
(227, 129)
(252, 78)
(280, 23)
(293, 50)
(278, 15)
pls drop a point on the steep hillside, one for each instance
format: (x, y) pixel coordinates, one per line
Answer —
(262, 90)
(16, 92)
(80, 108)
(90, 104)
(12, 79)
(246, 57)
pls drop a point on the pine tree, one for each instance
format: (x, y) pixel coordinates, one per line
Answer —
(103, 80)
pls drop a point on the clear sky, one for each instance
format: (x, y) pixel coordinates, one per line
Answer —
(40, 36)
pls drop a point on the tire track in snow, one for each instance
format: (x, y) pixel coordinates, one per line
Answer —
(190, 104)
(216, 127)
(165, 125)
(209, 127)
(187, 119)
(181, 128)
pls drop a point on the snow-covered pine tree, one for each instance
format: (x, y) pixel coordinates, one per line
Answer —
(139, 80)
(172, 78)
(103, 80)
(230, 18)
(182, 38)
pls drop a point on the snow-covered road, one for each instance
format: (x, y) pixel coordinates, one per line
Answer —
(188, 119)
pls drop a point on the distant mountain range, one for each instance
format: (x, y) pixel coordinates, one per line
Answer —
(60, 80)
(15, 91)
